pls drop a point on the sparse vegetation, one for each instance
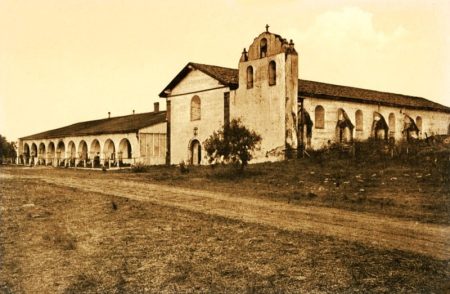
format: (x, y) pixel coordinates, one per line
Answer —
(139, 168)
(184, 169)
(370, 180)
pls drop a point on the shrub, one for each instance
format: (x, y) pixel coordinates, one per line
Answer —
(139, 168)
(183, 168)
(233, 143)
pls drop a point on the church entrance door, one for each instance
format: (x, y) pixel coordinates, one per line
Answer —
(196, 152)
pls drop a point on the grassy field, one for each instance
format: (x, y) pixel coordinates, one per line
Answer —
(57, 238)
(416, 188)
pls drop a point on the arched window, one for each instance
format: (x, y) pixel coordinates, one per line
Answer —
(319, 117)
(359, 120)
(272, 73)
(195, 108)
(249, 77)
(391, 123)
(263, 48)
(419, 123)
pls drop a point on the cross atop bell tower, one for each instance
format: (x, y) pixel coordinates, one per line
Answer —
(267, 28)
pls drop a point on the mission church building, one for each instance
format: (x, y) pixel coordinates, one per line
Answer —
(264, 93)
(267, 96)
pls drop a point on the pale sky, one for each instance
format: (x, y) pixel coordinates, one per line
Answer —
(65, 61)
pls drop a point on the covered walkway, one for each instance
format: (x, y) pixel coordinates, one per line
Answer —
(109, 143)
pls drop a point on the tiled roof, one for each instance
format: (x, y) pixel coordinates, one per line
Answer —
(336, 92)
(224, 75)
(114, 125)
(230, 77)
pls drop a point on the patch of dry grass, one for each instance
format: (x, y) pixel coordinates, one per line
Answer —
(414, 189)
(56, 239)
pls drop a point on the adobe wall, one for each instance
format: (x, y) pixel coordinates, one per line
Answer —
(262, 108)
(291, 106)
(433, 122)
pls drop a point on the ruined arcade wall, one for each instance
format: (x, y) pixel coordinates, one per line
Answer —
(433, 122)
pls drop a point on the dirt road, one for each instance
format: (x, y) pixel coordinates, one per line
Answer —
(370, 229)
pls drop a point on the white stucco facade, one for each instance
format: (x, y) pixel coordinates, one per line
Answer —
(185, 131)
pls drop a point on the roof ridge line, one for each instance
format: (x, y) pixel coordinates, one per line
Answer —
(365, 89)
(82, 126)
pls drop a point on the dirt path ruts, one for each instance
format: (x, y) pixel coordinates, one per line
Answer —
(379, 231)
